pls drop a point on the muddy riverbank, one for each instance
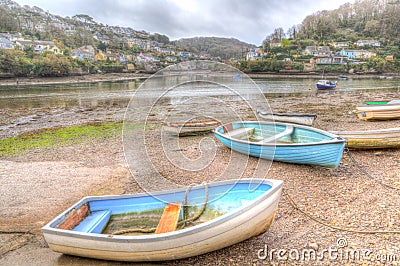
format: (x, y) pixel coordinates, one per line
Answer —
(36, 186)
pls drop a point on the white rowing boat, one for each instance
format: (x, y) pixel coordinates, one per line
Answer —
(235, 210)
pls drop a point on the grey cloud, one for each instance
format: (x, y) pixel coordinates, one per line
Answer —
(248, 21)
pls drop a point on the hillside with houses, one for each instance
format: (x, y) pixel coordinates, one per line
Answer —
(363, 56)
(34, 42)
(363, 37)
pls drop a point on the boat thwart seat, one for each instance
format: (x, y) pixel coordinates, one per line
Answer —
(288, 131)
(95, 222)
(169, 219)
(240, 132)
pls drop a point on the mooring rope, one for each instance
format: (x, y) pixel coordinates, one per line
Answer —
(185, 203)
(340, 228)
(361, 168)
(201, 211)
(17, 232)
(134, 230)
(181, 224)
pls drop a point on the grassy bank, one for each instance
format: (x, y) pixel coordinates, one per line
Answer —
(58, 137)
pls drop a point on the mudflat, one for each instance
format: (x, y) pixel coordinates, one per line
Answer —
(355, 215)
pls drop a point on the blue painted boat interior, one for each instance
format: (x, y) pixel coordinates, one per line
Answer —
(263, 131)
(223, 198)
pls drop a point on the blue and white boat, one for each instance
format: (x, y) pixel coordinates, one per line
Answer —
(324, 84)
(284, 142)
(228, 212)
(302, 119)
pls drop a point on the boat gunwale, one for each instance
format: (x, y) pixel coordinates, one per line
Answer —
(377, 107)
(187, 130)
(335, 138)
(189, 124)
(276, 185)
(368, 132)
(285, 114)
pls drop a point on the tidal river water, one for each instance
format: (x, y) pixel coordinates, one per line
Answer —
(26, 108)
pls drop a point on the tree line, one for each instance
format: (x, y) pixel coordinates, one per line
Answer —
(365, 19)
(371, 19)
(21, 63)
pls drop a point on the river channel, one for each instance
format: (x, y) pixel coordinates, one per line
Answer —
(27, 108)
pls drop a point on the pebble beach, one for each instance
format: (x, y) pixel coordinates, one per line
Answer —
(346, 215)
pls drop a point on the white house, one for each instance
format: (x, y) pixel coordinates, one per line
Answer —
(373, 43)
(275, 44)
(39, 46)
(317, 50)
(341, 44)
(253, 54)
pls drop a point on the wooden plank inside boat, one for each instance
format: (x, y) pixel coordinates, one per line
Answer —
(74, 217)
(169, 218)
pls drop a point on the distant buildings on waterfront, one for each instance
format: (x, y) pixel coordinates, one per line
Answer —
(336, 53)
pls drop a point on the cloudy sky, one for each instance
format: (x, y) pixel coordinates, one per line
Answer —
(246, 20)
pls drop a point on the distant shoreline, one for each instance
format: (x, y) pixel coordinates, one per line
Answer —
(114, 77)
(320, 76)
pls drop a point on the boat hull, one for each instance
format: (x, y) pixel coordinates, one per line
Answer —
(326, 153)
(378, 112)
(302, 119)
(188, 131)
(190, 128)
(325, 87)
(371, 139)
(250, 220)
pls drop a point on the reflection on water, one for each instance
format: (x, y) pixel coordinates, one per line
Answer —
(68, 95)
(103, 94)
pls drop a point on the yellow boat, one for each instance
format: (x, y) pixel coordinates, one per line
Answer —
(382, 110)
(371, 139)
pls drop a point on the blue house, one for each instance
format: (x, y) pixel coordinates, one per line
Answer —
(357, 54)
(184, 54)
(84, 52)
(348, 53)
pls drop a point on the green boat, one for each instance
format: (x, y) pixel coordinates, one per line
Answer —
(376, 102)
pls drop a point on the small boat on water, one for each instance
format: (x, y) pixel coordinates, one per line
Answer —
(325, 84)
(302, 119)
(117, 227)
(371, 139)
(190, 128)
(379, 110)
(342, 77)
(283, 142)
